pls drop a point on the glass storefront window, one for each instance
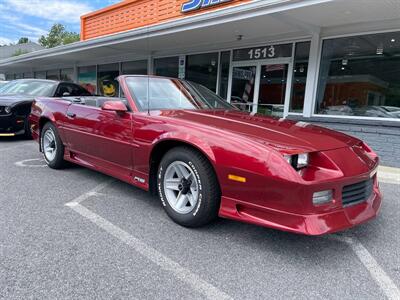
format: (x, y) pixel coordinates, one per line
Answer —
(203, 69)
(53, 75)
(87, 78)
(40, 75)
(224, 75)
(301, 57)
(19, 76)
(134, 67)
(28, 75)
(67, 75)
(359, 76)
(107, 80)
(167, 66)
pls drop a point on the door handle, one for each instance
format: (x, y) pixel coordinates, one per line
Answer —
(71, 115)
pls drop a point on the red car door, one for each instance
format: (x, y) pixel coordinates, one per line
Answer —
(100, 138)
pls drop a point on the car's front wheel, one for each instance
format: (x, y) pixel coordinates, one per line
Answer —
(188, 187)
(27, 129)
(52, 146)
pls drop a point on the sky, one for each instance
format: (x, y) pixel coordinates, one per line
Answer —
(34, 18)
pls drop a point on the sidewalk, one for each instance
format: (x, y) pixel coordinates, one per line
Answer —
(389, 175)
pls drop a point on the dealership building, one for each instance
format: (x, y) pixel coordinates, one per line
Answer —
(331, 62)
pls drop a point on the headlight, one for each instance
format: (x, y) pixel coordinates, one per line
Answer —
(298, 161)
(7, 109)
(369, 151)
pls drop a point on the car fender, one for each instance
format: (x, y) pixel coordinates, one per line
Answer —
(189, 139)
(53, 110)
(47, 115)
(247, 159)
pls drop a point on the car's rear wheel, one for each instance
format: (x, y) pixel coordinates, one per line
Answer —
(52, 146)
(188, 187)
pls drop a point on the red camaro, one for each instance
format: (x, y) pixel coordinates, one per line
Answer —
(205, 158)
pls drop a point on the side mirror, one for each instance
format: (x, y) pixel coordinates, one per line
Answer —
(117, 106)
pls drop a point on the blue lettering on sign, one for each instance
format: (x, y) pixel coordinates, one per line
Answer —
(197, 4)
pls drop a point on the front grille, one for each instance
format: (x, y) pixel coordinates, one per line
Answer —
(3, 110)
(358, 192)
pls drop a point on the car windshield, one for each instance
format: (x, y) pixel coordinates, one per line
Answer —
(35, 88)
(156, 93)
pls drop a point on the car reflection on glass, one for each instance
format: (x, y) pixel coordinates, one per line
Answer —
(241, 104)
(2, 83)
(378, 111)
(338, 110)
(395, 111)
(275, 110)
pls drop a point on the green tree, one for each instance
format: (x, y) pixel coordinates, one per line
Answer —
(20, 52)
(23, 40)
(58, 36)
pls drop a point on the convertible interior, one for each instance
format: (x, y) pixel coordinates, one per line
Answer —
(95, 101)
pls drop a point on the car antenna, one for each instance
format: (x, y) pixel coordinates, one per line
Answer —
(148, 71)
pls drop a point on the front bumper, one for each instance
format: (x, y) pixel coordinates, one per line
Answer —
(11, 125)
(336, 219)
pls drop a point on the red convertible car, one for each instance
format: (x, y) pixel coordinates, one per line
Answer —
(204, 158)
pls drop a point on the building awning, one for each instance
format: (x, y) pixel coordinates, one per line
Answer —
(257, 22)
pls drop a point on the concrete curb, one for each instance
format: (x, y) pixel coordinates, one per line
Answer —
(389, 175)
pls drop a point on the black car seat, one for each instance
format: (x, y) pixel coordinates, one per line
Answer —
(62, 91)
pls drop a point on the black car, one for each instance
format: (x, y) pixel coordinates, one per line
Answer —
(16, 98)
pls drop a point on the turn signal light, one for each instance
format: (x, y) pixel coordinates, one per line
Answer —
(237, 178)
(322, 197)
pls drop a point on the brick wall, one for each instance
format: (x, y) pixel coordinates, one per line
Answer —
(383, 138)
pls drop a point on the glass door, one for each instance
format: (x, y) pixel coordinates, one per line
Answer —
(243, 87)
(272, 89)
(261, 87)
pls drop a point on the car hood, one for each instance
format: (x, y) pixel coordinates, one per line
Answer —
(283, 135)
(6, 100)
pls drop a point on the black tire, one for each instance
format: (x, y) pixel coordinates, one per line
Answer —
(209, 195)
(58, 161)
(27, 129)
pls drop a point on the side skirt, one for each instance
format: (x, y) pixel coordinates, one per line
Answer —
(116, 172)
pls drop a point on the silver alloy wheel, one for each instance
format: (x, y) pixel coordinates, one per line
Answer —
(181, 187)
(49, 145)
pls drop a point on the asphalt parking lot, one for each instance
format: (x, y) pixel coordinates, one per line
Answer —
(75, 234)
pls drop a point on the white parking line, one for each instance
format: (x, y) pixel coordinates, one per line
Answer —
(164, 262)
(389, 175)
(383, 280)
(91, 193)
(386, 284)
(31, 163)
(389, 178)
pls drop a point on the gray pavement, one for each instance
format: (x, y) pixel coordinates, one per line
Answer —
(121, 244)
